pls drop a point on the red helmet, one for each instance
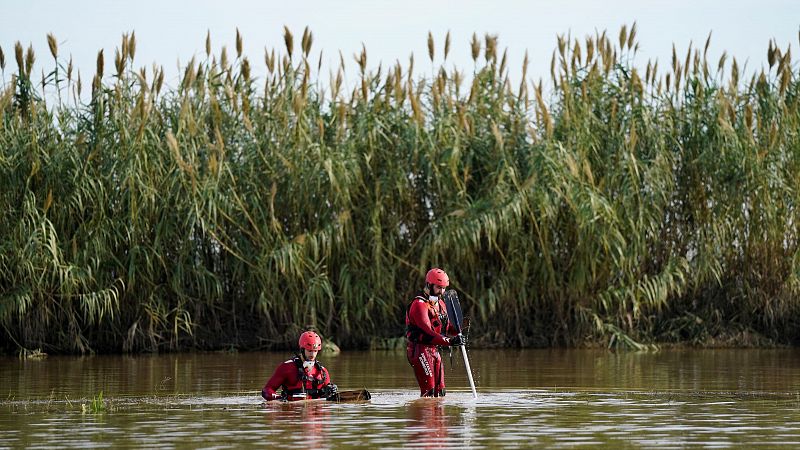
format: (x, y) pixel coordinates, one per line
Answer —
(310, 341)
(438, 277)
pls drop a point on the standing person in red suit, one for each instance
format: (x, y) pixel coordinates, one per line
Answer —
(427, 328)
(302, 377)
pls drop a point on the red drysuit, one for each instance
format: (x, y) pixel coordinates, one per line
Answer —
(425, 324)
(294, 380)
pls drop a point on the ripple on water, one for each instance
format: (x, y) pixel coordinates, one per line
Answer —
(399, 418)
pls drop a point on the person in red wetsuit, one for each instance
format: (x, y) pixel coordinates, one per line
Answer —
(427, 328)
(302, 377)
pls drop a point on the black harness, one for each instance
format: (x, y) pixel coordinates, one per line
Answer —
(418, 335)
(316, 382)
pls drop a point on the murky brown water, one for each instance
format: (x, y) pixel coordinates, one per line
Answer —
(527, 398)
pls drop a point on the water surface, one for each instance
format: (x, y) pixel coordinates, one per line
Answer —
(548, 398)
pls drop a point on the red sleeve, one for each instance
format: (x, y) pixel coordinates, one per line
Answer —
(418, 315)
(270, 390)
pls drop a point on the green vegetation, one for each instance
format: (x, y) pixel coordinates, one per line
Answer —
(627, 206)
(96, 406)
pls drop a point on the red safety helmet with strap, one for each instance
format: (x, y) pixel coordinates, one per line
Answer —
(438, 277)
(310, 341)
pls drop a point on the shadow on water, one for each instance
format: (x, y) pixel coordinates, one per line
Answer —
(554, 399)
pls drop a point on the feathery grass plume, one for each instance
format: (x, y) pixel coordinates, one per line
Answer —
(786, 61)
(655, 71)
(364, 89)
(29, 60)
(269, 59)
(223, 58)
(189, 75)
(96, 84)
(721, 63)
(119, 63)
(632, 36)
(69, 69)
(124, 48)
(361, 59)
(545, 114)
(336, 84)
(2, 59)
(399, 92)
(51, 42)
(675, 62)
(18, 56)
(100, 64)
(288, 39)
(245, 69)
(623, 37)
(132, 46)
(771, 59)
(475, 47)
(159, 80)
(238, 44)
(785, 80)
(142, 77)
(431, 48)
(686, 61)
(447, 45)
(308, 39)
(490, 53)
(609, 56)
(525, 62)
(576, 53)
(208, 43)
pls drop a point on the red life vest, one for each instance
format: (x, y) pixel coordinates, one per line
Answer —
(292, 379)
(312, 380)
(426, 326)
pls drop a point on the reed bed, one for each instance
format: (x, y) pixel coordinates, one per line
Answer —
(625, 205)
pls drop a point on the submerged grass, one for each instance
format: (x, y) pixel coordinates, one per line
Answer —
(98, 405)
(625, 207)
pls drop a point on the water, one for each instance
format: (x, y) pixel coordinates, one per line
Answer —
(526, 398)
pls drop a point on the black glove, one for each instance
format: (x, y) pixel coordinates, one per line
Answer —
(330, 390)
(457, 341)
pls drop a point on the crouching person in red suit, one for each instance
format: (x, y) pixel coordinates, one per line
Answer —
(302, 377)
(426, 329)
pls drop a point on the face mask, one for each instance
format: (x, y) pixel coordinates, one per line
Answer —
(307, 365)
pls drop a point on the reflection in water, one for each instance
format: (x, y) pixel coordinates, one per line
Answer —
(303, 423)
(428, 423)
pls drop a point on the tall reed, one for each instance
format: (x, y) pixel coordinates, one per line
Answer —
(623, 206)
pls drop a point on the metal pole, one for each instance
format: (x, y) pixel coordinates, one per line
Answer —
(469, 371)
